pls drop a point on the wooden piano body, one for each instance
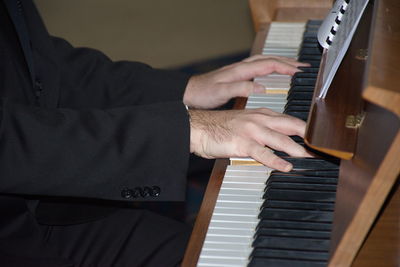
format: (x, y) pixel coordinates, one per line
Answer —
(359, 122)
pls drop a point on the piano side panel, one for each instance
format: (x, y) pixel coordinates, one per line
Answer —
(365, 182)
(382, 247)
(383, 80)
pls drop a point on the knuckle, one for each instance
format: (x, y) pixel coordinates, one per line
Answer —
(245, 88)
(249, 126)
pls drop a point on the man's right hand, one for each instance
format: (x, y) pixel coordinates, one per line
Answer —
(246, 133)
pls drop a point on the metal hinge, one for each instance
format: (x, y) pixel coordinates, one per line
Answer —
(354, 121)
(362, 54)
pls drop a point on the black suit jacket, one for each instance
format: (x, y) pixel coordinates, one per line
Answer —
(83, 126)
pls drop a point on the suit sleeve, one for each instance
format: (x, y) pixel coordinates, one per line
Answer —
(94, 153)
(89, 78)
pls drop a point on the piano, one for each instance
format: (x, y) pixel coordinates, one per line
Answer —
(356, 128)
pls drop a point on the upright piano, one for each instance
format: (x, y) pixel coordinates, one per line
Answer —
(357, 125)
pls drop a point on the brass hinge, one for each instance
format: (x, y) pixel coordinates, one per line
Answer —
(354, 121)
(362, 54)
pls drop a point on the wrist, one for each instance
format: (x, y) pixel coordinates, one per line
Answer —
(194, 131)
(187, 95)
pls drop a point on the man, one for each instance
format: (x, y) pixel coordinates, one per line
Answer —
(79, 134)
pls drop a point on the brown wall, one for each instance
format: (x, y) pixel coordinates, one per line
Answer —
(159, 32)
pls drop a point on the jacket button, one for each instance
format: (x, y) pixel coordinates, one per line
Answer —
(155, 192)
(137, 192)
(38, 88)
(127, 193)
(38, 84)
(146, 191)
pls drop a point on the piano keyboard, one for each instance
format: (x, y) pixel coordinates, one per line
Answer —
(231, 230)
(267, 218)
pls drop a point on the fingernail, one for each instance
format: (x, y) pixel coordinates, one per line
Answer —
(258, 88)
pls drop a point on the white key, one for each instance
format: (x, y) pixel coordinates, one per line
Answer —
(235, 217)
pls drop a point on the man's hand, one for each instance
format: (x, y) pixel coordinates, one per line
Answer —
(215, 88)
(246, 133)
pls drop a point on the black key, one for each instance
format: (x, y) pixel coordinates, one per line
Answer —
(292, 233)
(309, 69)
(331, 173)
(307, 244)
(300, 95)
(312, 163)
(314, 22)
(281, 154)
(297, 108)
(298, 205)
(294, 225)
(312, 28)
(262, 262)
(310, 51)
(305, 75)
(273, 184)
(296, 215)
(299, 195)
(298, 102)
(290, 254)
(313, 50)
(300, 89)
(308, 39)
(311, 45)
(313, 63)
(296, 138)
(310, 34)
(302, 179)
(306, 58)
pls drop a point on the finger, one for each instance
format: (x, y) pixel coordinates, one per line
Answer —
(268, 57)
(288, 125)
(288, 60)
(238, 89)
(268, 158)
(279, 142)
(247, 71)
(279, 122)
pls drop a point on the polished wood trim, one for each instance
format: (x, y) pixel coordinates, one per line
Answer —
(203, 218)
(382, 248)
(356, 231)
(266, 11)
(383, 78)
(259, 41)
(385, 98)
